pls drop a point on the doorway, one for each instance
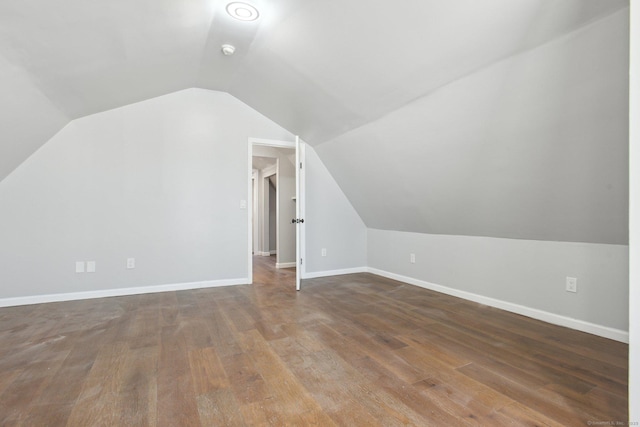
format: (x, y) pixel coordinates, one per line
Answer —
(265, 201)
(275, 174)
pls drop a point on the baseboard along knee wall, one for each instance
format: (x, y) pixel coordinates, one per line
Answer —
(556, 319)
(552, 318)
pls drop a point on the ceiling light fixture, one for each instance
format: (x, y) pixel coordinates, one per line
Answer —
(242, 11)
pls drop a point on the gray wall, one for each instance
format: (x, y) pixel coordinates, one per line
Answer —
(160, 181)
(524, 272)
(331, 222)
(507, 180)
(532, 147)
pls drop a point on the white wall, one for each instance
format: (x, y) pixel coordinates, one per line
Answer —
(634, 218)
(526, 273)
(331, 222)
(159, 180)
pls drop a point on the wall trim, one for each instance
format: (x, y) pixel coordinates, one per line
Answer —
(545, 316)
(274, 252)
(317, 274)
(106, 293)
(285, 264)
(263, 253)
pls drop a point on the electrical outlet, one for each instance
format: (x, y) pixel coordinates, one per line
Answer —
(324, 251)
(91, 266)
(412, 258)
(572, 284)
(131, 263)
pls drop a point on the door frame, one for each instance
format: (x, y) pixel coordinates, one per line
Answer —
(300, 239)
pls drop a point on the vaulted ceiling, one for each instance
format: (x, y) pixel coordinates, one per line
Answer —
(348, 76)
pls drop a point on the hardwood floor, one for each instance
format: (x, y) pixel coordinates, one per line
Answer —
(356, 350)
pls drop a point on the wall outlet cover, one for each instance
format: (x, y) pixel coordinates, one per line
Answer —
(91, 266)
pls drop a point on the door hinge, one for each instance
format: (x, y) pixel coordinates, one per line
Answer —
(300, 165)
(300, 261)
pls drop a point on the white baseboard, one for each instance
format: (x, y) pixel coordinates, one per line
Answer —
(264, 253)
(317, 274)
(556, 319)
(285, 264)
(580, 325)
(73, 296)
(274, 252)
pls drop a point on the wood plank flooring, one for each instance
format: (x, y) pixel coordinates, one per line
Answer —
(355, 350)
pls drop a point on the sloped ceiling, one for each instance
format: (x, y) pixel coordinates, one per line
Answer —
(327, 67)
(334, 72)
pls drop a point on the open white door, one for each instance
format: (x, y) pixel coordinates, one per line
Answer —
(299, 215)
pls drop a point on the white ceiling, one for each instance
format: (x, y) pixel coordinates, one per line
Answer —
(327, 67)
(260, 163)
(321, 69)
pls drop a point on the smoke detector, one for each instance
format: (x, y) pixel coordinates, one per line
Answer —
(228, 49)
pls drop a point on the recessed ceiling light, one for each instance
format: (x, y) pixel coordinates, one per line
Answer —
(242, 11)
